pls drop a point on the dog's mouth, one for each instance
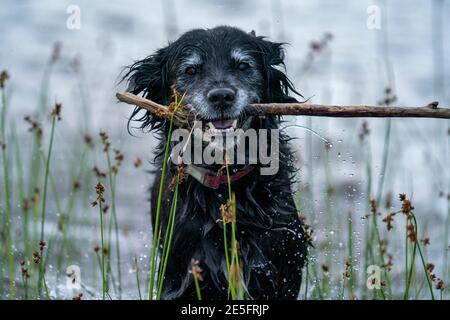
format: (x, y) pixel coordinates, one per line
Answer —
(226, 127)
(222, 126)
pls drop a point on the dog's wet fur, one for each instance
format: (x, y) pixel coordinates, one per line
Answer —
(221, 70)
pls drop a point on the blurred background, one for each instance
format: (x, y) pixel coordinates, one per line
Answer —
(338, 52)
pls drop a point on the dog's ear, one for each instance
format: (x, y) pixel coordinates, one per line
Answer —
(150, 78)
(277, 85)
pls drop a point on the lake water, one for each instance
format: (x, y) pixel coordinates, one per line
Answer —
(406, 53)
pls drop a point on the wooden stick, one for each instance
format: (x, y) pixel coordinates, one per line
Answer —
(147, 104)
(308, 109)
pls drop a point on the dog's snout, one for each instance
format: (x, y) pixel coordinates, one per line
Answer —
(221, 97)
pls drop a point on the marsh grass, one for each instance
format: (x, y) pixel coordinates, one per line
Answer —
(112, 175)
(100, 201)
(168, 238)
(138, 282)
(104, 281)
(228, 215)
(55, 115)
(6, 184)
(156, 238)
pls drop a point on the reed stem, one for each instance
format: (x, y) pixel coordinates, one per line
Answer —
(159, 202)
(103, 251)
(168, 237)
(44, 199)
(7, 224)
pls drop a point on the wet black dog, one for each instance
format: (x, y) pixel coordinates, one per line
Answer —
(222, 70)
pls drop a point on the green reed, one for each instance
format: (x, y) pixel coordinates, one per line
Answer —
(168, 239)
(112, 185)
(55, 116)
(159, 202)
(6, 183)
(104, 281)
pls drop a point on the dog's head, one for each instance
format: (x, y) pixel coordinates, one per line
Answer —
(219, 70)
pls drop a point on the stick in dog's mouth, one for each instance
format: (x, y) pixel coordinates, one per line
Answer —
(184, 116)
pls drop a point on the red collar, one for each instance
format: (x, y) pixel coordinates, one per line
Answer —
(213, 180)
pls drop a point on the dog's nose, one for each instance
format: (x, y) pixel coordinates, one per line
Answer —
(221, 97)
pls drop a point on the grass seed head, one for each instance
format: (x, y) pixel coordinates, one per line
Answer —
(226, 212)
(88, 141)
(308, 231)
(35, 198)
(35, 126)
(26, 205)
(77, 297)
(36, 257)
(56, 112)
(42, 245)
(407, 206)
(118, 157)
(388, 220)
(76, 185)
(105, 141)
(411, 231)
(196, 270)
(389, 97)
(137, 163)
(440, 284)
(389, 264)
(24, 270)
(373, 207)
(99, 191)
(99, 173)
(348, 267)
(179, 177)
(364, 131)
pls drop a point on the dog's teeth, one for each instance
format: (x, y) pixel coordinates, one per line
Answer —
(234, 125)
(211, 126)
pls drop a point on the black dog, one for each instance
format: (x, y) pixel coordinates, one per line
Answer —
(222, 70)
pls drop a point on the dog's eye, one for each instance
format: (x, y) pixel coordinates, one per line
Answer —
(191, 71)
(243, 66)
